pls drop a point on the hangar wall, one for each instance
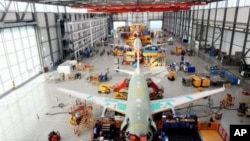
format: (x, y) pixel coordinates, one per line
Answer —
(222, 25)
(33, 32)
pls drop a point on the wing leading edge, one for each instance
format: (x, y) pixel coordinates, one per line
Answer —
(114, 104)
(167, 103)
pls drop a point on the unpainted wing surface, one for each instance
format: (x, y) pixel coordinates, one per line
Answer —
(114, 104)
(167, 103)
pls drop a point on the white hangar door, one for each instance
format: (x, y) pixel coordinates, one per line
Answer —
(19, 57)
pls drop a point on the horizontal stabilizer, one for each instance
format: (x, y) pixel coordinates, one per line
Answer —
(156, 70)
(125, 71)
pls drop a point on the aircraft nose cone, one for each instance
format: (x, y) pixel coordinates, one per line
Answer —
(137, 43)
(138, 129)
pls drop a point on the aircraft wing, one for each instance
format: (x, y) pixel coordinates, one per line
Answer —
(167, 103)
(153, 45)
(119, 45)
(114, 104)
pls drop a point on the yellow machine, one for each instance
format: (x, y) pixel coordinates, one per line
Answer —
(199, 81)
(118, 51)
(135, 27)
(205, 81)
(172, 75)
(121, 95)
(179, 49)
(146, 39)
(196, 80)
(153, 59)
(105, 88)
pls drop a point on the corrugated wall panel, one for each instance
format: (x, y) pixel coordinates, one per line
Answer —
(44, 35)
(239, 38)
(227, 35)
(212, 14)
(243, 14)
(56, 56)
(45, 49)
(200, 14)
(10, 17)
(41, 19)
(215, 36)
(206, 14)
(47, 61)
(28, 17)
(230, 14)
(73, 17)
(51, 19)
(220, 14)
(54, 44)
(53, 32)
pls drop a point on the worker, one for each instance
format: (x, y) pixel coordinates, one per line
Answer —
(97, 129)
(162, 135)
(182, 55)
(211, 119)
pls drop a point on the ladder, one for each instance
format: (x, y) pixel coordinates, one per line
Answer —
(86, 121)
(190, 108)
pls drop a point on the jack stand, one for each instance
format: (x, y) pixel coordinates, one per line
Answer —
(189, 109)
(209, 106)
(103, 112)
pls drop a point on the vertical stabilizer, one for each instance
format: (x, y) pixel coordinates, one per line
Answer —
(137, 47)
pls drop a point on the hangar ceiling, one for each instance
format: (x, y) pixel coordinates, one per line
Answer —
(120, 6)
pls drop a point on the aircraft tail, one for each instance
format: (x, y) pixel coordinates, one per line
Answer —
(125, 71)
(137, 47)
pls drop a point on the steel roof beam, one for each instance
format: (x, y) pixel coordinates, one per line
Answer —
(136, 10)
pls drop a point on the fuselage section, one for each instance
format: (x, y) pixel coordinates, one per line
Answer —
(138, 109)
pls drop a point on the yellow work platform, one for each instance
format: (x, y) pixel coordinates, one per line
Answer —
(210, 135)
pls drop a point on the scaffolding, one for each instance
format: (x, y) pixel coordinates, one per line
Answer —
(81, 117)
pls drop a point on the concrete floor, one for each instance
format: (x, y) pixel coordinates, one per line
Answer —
(31, 112)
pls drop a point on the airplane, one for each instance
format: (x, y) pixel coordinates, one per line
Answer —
(138, 109)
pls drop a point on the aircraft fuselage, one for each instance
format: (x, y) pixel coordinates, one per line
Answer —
(138, 116)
